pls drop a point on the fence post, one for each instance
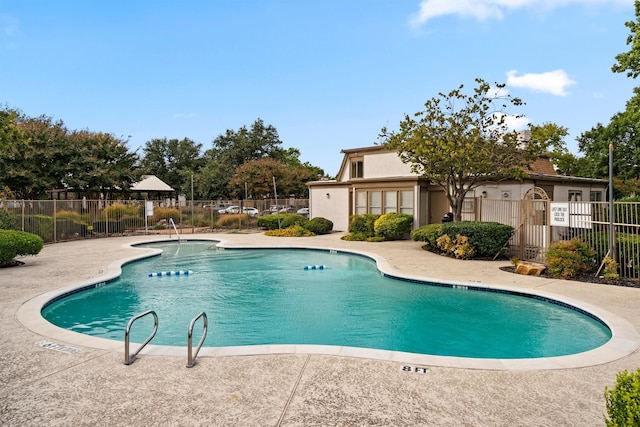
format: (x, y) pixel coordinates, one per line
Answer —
(55, 222)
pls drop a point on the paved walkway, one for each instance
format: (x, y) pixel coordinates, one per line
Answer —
(91, 386)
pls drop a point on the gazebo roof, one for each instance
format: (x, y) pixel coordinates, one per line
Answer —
(151, 183)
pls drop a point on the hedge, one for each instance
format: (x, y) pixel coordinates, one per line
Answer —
(270, 222)
(486, 238)
(18, 243)
(319, 225)
(6, 223)
(393, 226)
(363, 224)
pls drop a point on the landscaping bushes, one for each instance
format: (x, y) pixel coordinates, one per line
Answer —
(17, 243)
(376, 228)
(481, 239)
(623, 400)
(111, 227)
(293, 219)
(393, 226)
(6, 223)
(297, 225)
(319, 225)
(569, 258)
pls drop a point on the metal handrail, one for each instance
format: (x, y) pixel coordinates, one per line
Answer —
(191, 357)
(172, 223)
(129, 360)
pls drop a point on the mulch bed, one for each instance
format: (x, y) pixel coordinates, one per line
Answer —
(587, 278)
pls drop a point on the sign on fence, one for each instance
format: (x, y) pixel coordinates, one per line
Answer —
(571, 214)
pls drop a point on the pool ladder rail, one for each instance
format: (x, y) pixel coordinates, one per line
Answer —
(191, 355)
(173, 224)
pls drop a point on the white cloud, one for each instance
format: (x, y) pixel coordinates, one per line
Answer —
(494, 9)
(553, 82)
(512, 122)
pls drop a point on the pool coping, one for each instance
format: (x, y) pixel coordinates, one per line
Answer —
(625, 338)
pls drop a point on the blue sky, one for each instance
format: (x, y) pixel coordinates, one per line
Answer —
(328, 74)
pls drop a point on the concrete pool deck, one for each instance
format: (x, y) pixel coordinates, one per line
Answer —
(53, 377)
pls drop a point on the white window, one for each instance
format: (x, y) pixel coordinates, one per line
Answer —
(390, 201)
(361, 202)
(575, 195)
(406, 202)
(357, 169)
(375, 202)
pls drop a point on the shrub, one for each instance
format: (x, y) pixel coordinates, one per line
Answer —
(623, 400)
(70, 215)
(627, 247)
(319, 225)
(293, 219)
(459, 248)
(428, 233)
(486, 239)
(111, 227)
(393, 226)
(68, 229)
(293, 231)
(118, 210)
(5, 220)
(231, 220)
(270, 222)
(568, 258)
(42, 225)
(355, 237)
(17, 243)
(363, 224)
(166, 213)
(610, 268)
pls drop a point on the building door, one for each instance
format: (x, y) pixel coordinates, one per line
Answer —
(438, 206)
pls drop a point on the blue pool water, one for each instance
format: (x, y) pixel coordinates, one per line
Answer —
(266, 296)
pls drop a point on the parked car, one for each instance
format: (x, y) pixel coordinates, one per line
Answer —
(276, 208)
(252, 212)
(290, 209)
(216, 208)
(230, 210)
(303, 211)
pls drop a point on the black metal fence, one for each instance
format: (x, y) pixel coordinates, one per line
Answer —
(62, 220)
(539, 223)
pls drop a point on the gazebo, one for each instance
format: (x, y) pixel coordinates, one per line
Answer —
(151, 185)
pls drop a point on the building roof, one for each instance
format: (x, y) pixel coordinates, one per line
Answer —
(151, 183)
(543, 165)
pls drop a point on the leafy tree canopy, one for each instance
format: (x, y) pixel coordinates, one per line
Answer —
(259, 174)
(173, 161)
(40, 154)
(630, 61)
(460, 141)
(551, 136)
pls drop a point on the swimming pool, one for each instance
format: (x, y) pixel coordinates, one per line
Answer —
(265, 296)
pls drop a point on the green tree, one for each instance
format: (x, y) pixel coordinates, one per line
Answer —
(234, 148)
(552, 136)
(623, 131)
(10, 138)
(460, 141)
(37, 161)
(259, 174)
(630, 61)
(101, 164)
(173, 161)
